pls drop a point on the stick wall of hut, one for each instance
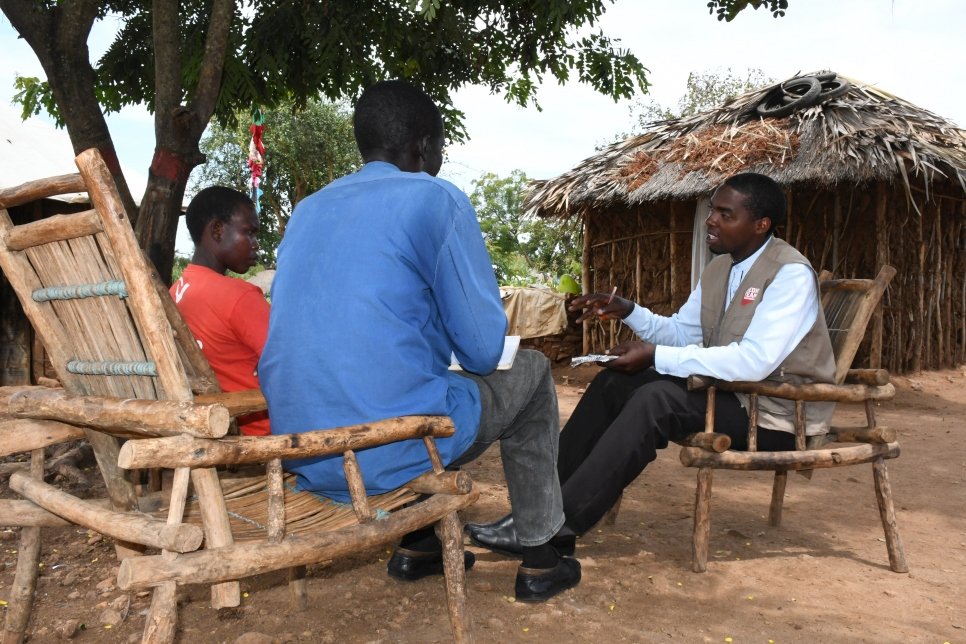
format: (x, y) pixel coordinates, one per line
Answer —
(851, 230)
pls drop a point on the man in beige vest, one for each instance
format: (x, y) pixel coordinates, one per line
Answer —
(755, 315)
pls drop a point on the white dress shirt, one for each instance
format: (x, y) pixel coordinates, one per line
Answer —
(787, 311)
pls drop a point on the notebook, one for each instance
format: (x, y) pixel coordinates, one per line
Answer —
(511, 344)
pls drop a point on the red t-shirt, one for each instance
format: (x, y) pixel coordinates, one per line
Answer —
(229, 319)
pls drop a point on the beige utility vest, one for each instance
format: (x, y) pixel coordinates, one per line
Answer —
(811, 361)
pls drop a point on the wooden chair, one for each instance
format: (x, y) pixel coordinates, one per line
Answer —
(130, 369)
(848, 305)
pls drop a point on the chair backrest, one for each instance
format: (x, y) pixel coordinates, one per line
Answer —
(849, 305)
(105, 320)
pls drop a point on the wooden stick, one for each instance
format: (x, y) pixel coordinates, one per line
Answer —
(709, 410)
(18, 436)
(753, 423)
(702, 520)
(812, 392)
(276, 501)
(887, 512)
(125, 526)
(357, 489)
(130, 417)
(879, 434)
(777, 498)
(41, 189)
(162, 619)
(714, 441)
(444, 483)
(237, 402)
(243, 560)
(185, 451)
(21, 596)
(799, 425)
(214, 517)
(451, 535)
(15, 512)
(798, 460)
(872, 377)
(54, 228)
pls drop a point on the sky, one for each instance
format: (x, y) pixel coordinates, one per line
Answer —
(914, 49)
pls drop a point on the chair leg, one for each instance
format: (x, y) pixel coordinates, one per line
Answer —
(214, 516)
(777, 498)
(297, 588)
(451, 535)
(702, 520)
(162, 620)
(611, 517)
(24, 584)
(887, 512)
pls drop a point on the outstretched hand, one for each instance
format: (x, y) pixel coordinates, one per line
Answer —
(603, 306)
(634, 356)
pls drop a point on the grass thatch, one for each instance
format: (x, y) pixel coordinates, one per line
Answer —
(865, 135)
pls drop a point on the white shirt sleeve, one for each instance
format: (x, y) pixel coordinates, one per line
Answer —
(787, 311)
(681, 329)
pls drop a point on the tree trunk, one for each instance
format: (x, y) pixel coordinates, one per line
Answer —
(58, 37)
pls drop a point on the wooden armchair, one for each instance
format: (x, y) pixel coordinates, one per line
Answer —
(131, 370)
(848, 305)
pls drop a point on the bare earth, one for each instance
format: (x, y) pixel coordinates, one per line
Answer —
(822, 576)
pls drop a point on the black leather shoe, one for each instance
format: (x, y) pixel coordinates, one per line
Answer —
(410, 565)
(501, 537)
(540, 584)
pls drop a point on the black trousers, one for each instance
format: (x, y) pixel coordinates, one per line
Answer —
(620, 423)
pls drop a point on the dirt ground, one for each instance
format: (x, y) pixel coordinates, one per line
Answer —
(822, 576)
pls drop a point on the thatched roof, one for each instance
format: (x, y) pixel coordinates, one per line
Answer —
(865, 135)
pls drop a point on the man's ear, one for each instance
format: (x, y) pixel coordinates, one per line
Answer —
(762, 225)
(215, 229)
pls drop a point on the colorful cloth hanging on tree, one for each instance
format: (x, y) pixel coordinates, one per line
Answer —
(256, 156)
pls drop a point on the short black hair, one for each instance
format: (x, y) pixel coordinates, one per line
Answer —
(763, 197)
(214, 202)
(392, 114)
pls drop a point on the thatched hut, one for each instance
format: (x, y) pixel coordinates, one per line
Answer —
(870, 178)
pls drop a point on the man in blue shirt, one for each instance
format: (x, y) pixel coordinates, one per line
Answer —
(382, 275)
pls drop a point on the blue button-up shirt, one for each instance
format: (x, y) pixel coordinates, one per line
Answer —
(381, 276)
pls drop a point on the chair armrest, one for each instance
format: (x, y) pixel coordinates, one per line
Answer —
(810, 392)
(238, 403)
(186, 451)
(875, 377)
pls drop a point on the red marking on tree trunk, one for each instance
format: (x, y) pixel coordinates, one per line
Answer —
(170, 166)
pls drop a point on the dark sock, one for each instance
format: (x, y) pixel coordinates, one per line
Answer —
(542, 556)
(422, 540)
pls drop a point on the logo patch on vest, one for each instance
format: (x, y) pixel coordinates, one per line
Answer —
(750, 295)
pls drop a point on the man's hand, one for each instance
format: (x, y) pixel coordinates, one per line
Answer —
(603, 306)
(634, 356)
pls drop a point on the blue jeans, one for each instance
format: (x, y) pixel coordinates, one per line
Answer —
(519, 409)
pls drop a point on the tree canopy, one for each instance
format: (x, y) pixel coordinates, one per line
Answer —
(195, 60)
(306, 149)
(524, 250)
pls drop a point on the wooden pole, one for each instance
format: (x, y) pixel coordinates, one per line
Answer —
(129, 417)
(54, 228)
(162, 619)
(246, 559)
(777, 498)
(887, 512)
(702, 520)
(18, 436)
(21, 596)
(214, 517)
(585, 285)
(811, 392)
(41, 189)
(185, 451)
(124, 526)
(798, 460)
(881, 259)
